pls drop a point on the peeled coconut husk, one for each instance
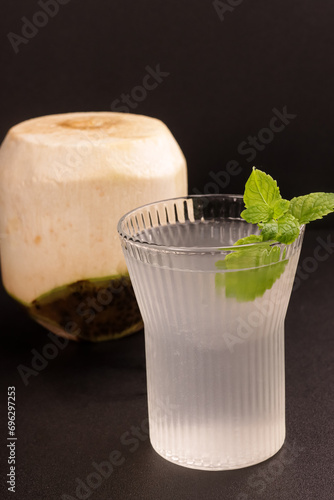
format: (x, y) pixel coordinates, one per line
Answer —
(65, 181)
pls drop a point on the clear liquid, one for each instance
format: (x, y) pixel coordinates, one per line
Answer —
(200, 234)
(215, 366)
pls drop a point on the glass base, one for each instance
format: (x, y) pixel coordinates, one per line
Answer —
(204, 464)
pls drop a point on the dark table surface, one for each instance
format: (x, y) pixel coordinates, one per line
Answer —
(88, 405)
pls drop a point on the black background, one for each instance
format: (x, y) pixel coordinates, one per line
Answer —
(225, 78)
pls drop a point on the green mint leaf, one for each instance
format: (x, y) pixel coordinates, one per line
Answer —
(280, 208)
(257, 213)
(269, 230)
(261, 189)
(312, 206)
(252, 238)
(243, 258)
(250, 271)
(288, 229)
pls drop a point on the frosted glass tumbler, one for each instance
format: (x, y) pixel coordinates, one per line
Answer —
(214, 332)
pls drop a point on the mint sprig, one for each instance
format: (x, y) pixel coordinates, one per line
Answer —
(280, 219)
(259, 265)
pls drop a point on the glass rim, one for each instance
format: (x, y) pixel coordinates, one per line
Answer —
(128, 238)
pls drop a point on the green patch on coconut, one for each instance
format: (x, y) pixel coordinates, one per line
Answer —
(95, 309)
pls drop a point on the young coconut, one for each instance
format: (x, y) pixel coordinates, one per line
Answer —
(65, 181)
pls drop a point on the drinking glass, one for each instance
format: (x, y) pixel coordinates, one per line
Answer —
(214, 329)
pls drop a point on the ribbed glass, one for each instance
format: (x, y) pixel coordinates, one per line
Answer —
(215, 358)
